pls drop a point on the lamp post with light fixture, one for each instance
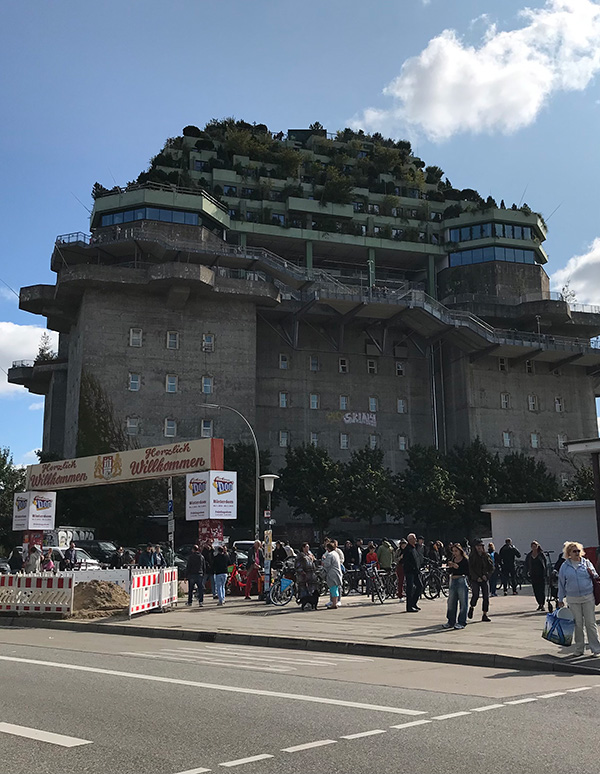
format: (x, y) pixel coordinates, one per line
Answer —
(268, 480)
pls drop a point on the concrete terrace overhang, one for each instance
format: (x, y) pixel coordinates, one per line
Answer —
(36, 377)
(584, 446)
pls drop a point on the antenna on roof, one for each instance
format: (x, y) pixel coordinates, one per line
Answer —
(9, 287)
(111, 174)
(80, 202)
(523, 194)
(553, 211)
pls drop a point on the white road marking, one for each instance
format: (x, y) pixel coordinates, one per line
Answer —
(241, 651)
(194, 771)
(364, 733)
(578, 690)
(522, 701)
(221, 652)
(308, 745)
(450, 715)
(551, 695)
(412, 723)
(214, 687)
(241, 761)
(487, 707)
(210, 661)
(42, 736)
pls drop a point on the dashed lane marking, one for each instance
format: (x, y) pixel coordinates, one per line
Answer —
(362, 734)
(578, 690)
(451, 715)
(42, 736)
(194, 771)
(241, 761)
(551, 695)
(214, 686)
(411, 724)
(309, 745)
(522, 701)
(487, 707)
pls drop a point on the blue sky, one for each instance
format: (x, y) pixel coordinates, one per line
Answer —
(507, 103)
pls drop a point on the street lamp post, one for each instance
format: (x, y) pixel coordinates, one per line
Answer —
(268, 480)
(257, 464)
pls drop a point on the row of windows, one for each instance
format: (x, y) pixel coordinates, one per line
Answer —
(171, 383)
(314, 402)
(535, 440)
(485, 230)
(344, 440)
(533, 403)
(136, 339)
(529, 366)
(485, 254)
(134, 426)
(314, 364)
(151, 213)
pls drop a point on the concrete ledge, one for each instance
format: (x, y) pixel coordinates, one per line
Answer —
(371, 650)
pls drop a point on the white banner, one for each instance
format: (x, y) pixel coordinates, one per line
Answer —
(211, 495)
(133, 465)
(34, 511)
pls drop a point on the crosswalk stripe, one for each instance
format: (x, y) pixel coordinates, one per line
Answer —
(212, 662)
(42, 736)
(261, 657)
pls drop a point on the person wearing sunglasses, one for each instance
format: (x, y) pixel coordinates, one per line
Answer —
(575, 583)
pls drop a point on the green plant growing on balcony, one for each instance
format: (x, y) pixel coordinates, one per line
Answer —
(388, 204)
(337, 188)
(433, 175)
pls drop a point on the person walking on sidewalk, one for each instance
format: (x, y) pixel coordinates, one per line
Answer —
(575, 583)
(459, 589)
(412, 566)
(333, 575)
(400, 568)
(507, 555)
(494, 576)
(306, 578)
(220, 565)
(481, 567)
(256, 560)
(195, 572)
(535, 567)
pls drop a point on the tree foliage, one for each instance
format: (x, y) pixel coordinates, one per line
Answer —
(369, 491)
(12, 479)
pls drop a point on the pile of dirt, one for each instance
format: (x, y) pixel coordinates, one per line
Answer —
(97, 598)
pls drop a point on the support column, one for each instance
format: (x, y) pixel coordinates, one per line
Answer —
(371, 266)
(596, 469)
(242, 240)
(431, 283)
(308, 255)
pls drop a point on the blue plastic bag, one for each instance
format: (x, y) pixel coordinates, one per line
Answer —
(559, 628)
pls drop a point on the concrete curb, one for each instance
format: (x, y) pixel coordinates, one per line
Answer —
(372, 650)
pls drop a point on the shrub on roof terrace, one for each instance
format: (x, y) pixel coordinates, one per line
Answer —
(433, 174)
(191, 131)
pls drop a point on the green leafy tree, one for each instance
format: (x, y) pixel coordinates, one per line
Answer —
(338, 188)
(474, 473)
(12, 479)
(240, 457)
(522, 479)
(581, 485)
(312, 484)
(369, 486)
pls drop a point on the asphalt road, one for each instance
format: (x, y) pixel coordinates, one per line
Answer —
(91, 703)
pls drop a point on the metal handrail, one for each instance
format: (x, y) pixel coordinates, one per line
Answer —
(170, 187)
(23, 363)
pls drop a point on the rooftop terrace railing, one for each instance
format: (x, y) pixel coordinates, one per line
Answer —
(169, 187)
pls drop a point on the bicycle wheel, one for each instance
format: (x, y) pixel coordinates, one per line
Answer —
(379, 590)
(345, 585)
(428, 586)
(445, 583)
(280, 596)
(391, 585)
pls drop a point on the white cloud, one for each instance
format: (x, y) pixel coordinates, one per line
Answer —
(38, 406)
(582, 272)
(18, 342)
(500, 85)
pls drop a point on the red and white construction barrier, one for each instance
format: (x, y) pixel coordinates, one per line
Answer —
(37, 593)
(152, 589)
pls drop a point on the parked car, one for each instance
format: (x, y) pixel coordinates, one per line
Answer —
(84, 560)
(101, 550)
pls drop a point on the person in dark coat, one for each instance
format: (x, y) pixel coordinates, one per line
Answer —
(507, 555)
(117, 559)
(15, 560)
(481, 569)
(195, 572)
(209, 556)
(412, 561)
(279, 553)
(306, 578)
(535, 567)
(220, 565)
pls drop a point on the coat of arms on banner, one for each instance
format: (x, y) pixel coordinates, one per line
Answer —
(108, 466)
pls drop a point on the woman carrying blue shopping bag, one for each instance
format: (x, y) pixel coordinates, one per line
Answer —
(576, 584)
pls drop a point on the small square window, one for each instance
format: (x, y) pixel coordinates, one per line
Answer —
(502, 364)
(206, 430)
(561, 441)
(534, 439)
(284, 438)
(343, 365)
(529, 367)
(134, 382)
(344, 441)
(372, 442)
(170, 428)
(315, 400)
(558, 405)
(283, 400)
(133, 425)
(532, 403)
(505, 400)
(507, 440)
(400, 370)
(344, 403)
(135, 337)
(171, 383)
(314, 439)
(284, 362)
(172, 340)
(371, 366)
(564, 479)
(402, 443)
(314, 363)
(207, 385)
(372, 404)
(208, 342)
(401, 406)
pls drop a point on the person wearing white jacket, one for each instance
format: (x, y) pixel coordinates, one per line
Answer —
(575, 583)
(333, 573)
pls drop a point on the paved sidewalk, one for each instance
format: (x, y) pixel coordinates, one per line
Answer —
(513, 638)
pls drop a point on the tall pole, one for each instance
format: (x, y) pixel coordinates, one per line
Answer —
(596, 470)
(256, 461)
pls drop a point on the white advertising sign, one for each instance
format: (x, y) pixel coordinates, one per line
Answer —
(211, 495)
(34, 511)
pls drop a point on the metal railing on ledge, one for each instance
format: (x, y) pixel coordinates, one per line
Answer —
(551, 295)
(75, 237)
(23, 363)
(168, 187)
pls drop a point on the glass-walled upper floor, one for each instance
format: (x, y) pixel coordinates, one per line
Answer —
(487, 230)
(484, 254)
(151, 213)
